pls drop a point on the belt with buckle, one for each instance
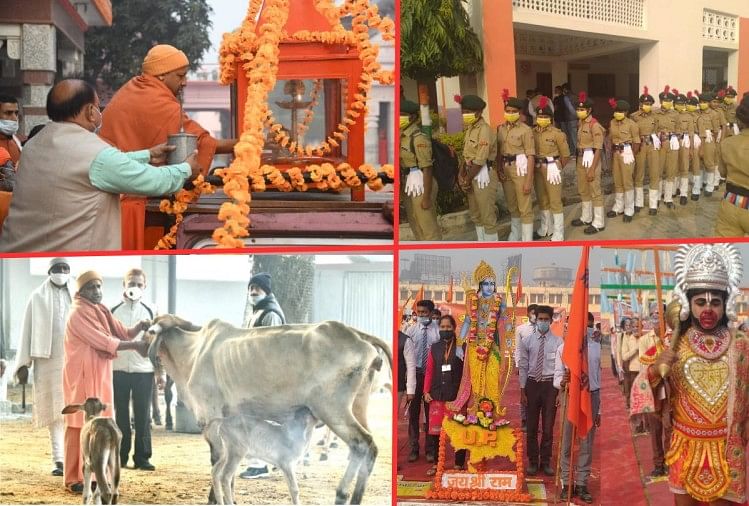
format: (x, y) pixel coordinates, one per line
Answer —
(647, 139)
(543, 160)
(620, 147)
(542, 379)
(509, 158)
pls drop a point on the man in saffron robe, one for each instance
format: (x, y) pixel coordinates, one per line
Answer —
(92, 338)
(145, 109)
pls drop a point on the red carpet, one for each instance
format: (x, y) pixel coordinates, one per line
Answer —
(416, 471)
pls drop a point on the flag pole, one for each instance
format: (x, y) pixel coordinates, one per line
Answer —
(557, 477)
(571, 463)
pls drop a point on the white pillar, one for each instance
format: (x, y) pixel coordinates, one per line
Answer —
(733, 69)
(559, 72)
(447, 88)
(371, 134)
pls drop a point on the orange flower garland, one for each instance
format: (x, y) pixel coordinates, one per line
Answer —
(178, 208)
(309, 113)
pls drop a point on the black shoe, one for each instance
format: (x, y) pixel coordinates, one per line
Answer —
(537, 237)
(683, 200)
(708, 194)
(638, 209)
(548, 470)
(564, 493)
(652, 212)
(695, 196)
(145, 466)
(254, 472)
(577, 222)
(57, 471)
(627, 219)
(414, 456)
(590, 229)
(532, 470)
(658, 471)
(670, 205)
(76, 488)
(612, 214)
(581, 491)
(430, 458)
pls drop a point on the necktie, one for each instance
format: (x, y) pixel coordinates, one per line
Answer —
(423, 348)
(538, 371)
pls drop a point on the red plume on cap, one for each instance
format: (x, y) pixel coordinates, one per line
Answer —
(689, 94)
(458, 98)
(645, 90)
(543, 102)
(667, 89)
(676, 92)
(582, 97)
(505, 95)
(722, 93)
(612, 103)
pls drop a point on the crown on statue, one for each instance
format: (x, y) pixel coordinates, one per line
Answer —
(706, 269)
(484, 271)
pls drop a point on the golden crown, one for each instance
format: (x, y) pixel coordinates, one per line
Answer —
(482, 272)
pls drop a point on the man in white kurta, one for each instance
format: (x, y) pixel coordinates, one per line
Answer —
(41, 346)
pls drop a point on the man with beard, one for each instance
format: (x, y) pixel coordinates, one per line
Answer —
(706, 369)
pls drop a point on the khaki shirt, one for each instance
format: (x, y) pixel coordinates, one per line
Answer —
(647, 122)
(730, 111)
(706, 120)
(480, 144)
(667, 120)
(685, 122)
(415, 150)
(515, 139)
(551, 141)
(720, 115)
(735, 152)
(590, 134)
(625, 130)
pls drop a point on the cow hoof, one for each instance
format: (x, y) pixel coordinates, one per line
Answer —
(341, 498)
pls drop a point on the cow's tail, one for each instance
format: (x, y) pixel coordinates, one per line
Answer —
(381, 346)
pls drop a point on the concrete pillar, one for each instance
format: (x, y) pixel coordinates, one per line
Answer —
(499, 55)
(38, 68)
(447, 88)
(371, 133)
(733, 68)
(559, 71)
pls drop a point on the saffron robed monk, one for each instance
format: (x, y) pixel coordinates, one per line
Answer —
(143, 113)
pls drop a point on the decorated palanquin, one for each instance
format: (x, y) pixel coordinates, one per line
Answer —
(300, 82)
(474, 420)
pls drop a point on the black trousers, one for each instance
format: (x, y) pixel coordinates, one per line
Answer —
(541, 404)
(414, 410)
(139, 385)
(432, 446)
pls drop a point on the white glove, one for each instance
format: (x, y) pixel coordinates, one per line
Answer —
(627, 155)
(674, 142)
(553, 175)
(415, 183)
(588, 158)
(697, 141)
(736, 129)
(656, 141)
(521, 164)
(708, 136)
(720, 134)
(482, 178)
(685, 142)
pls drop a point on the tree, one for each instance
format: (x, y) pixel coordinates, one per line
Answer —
(437, 41)
(292, 280)
(116, 53)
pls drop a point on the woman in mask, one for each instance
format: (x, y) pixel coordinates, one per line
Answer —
(441, 381)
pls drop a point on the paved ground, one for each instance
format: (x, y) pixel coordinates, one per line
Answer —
(696, 219)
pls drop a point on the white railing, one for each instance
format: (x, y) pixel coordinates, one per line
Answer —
(720, 27)
(621, 12)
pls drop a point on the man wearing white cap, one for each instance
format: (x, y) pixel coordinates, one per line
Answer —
(93, 336)
(41, 346)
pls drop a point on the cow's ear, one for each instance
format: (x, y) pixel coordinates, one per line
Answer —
(185, 325)
(72, 408)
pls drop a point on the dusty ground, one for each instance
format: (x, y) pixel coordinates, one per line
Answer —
(182, 473)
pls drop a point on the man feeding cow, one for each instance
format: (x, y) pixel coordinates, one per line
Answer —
(204, 361)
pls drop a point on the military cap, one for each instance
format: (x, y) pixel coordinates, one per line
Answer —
(470, 102)
(666, 95)
(584, 101)
(646, 98)
(409, 107)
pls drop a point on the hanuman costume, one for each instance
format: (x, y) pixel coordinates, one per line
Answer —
(709, 394)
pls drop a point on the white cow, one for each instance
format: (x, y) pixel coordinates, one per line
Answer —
(270, 372)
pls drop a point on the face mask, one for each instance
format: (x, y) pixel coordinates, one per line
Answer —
(404, 121)
(703, 106)
(59, 278)
(682, 107)
(619, 116)
(543, 326)
(133, 293)
(667, 105)
(425, 320)
(543, 122)
(691, 108)
(469, 118)
(512, 117)
(581, 114)
(8, 127)
(729, 100)
(254, 299)
(446, 334)
(647, 107)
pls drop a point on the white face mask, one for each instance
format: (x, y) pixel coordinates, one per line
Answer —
(255, 299)
(97, 129)
(133, 293)
(8, 127)
(59, 278)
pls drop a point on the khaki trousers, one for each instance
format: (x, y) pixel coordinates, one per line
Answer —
(549, 195)
(708, 157)
(519, 204)
(732, 221)
(648, 155)
(482, 204)
(623, 174)
(684, 161)
(423, 222)
(669, 161)
(589, 190)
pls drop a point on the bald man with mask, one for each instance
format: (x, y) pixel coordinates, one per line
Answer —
(67, 196)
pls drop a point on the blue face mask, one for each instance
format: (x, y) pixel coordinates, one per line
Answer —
(543, 326)
(425, 320)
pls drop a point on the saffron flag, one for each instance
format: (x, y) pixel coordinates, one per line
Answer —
(419, 296)
(519, 296)
(575, 355)
(449, 298)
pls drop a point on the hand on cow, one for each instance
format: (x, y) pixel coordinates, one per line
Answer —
(144, 325)
(427, 397)
(142, 348)
(160, 382)
(160, 153)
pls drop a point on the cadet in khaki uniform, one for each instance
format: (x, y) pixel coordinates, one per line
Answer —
(552, 153)
(716, 108)
(669, 153)
(708, 128)
(590, 136)
(625, 140)
(516, 152)
(476, 177)
(729, 109)
(733, 214)
(650, 146)
(418, 186)
(685, 129)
